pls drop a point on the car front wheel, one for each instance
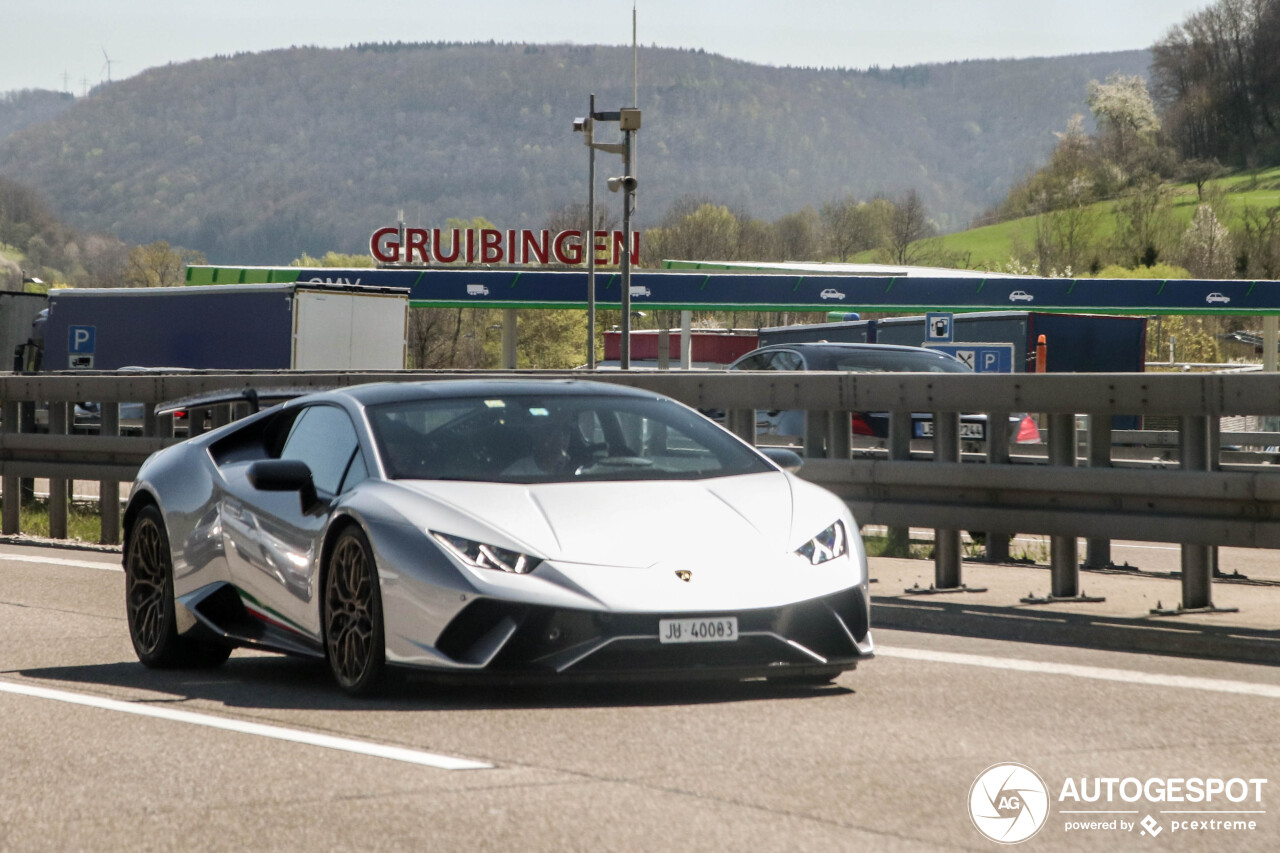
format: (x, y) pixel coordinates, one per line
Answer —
(353, 630)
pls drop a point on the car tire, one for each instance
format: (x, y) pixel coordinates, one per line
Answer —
(353, 631)
(149, 602)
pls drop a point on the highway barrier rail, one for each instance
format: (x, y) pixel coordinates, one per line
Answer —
(1066, 491)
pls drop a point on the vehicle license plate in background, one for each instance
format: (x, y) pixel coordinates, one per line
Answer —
(721, 630)
(971, 431)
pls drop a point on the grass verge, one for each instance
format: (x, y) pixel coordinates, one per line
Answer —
(83, 522)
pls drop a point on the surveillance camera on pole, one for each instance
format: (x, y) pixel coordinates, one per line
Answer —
(628, 119)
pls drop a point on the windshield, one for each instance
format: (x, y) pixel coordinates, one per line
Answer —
(553, 439)
(886, 361)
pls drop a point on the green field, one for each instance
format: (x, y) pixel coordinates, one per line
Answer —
(992, 246)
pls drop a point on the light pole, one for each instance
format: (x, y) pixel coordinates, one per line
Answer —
(628, 119)
(586, 126)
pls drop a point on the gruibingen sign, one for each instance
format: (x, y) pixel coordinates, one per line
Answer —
(492, 246)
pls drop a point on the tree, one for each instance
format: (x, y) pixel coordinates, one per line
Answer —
(695, 230)
(573, 216)
(1126, 117)
(10, 275)
(1206, 246)
(551, 339)
(1200, 172)
(1065, 236)
(796, 235)
(336, 260)
(1144, 223)
(1217, 77)
(908, 225)
(158, 265)
(848, 227)
(1258, 244)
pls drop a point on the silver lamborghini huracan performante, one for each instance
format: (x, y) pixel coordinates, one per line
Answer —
(505, 528)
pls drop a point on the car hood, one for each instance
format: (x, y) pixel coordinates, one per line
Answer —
(633, 524)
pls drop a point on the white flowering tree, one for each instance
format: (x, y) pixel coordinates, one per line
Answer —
(1206, 246)
(1125, 115)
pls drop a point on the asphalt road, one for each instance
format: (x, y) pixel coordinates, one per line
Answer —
(264, 753)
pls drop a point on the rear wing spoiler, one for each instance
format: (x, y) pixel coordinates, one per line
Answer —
(257, 398)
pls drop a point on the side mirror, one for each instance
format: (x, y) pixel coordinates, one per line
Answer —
(787, 460)
(284, 475)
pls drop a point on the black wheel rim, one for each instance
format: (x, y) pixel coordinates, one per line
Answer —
(349, 605)
(145, 586)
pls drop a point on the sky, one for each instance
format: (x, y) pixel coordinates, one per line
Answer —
(65, 45)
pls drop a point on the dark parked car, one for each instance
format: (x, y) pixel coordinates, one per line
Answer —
(869, 358)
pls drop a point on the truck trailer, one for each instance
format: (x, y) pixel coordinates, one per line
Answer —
(227, 327)
(1075, 343)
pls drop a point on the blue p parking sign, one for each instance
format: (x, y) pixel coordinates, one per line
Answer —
(81, 341)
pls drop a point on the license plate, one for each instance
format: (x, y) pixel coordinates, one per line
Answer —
(723, 629)
(971, 431)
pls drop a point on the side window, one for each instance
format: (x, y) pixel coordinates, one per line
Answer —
(787, 360)
(323, 437)
(759, 361)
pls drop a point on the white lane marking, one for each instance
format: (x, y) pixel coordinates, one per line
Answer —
(377, 750)
(1127, 676)
(58, 561)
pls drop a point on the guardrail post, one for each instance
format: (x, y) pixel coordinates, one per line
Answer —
(997, 544)
(1098, 551)
(1197, 562)
(195, 422)
(899, 544)
(815, 434)
(109, 490)
(156, 426)
(27, 424)
(742, 423)
(58, 491)
(12, 522)
(1064, 557)
(839, 435)
(1215, 460)
(946, 543)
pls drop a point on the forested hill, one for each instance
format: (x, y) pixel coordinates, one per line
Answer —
(257, 158)
(29, 106)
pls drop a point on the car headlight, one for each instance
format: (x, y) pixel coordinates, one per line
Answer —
(484, 556)
(827, 545)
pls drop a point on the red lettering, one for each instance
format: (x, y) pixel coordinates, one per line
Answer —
(415, 240)
(384, 250)
(537, 242)
(568, 247)
(524, 246)
(620, 243)
(490, 246)
(455, 246)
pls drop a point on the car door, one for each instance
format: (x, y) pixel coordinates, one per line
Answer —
(274, 554)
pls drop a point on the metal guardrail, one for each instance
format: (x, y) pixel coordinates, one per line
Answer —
(1203, 503)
